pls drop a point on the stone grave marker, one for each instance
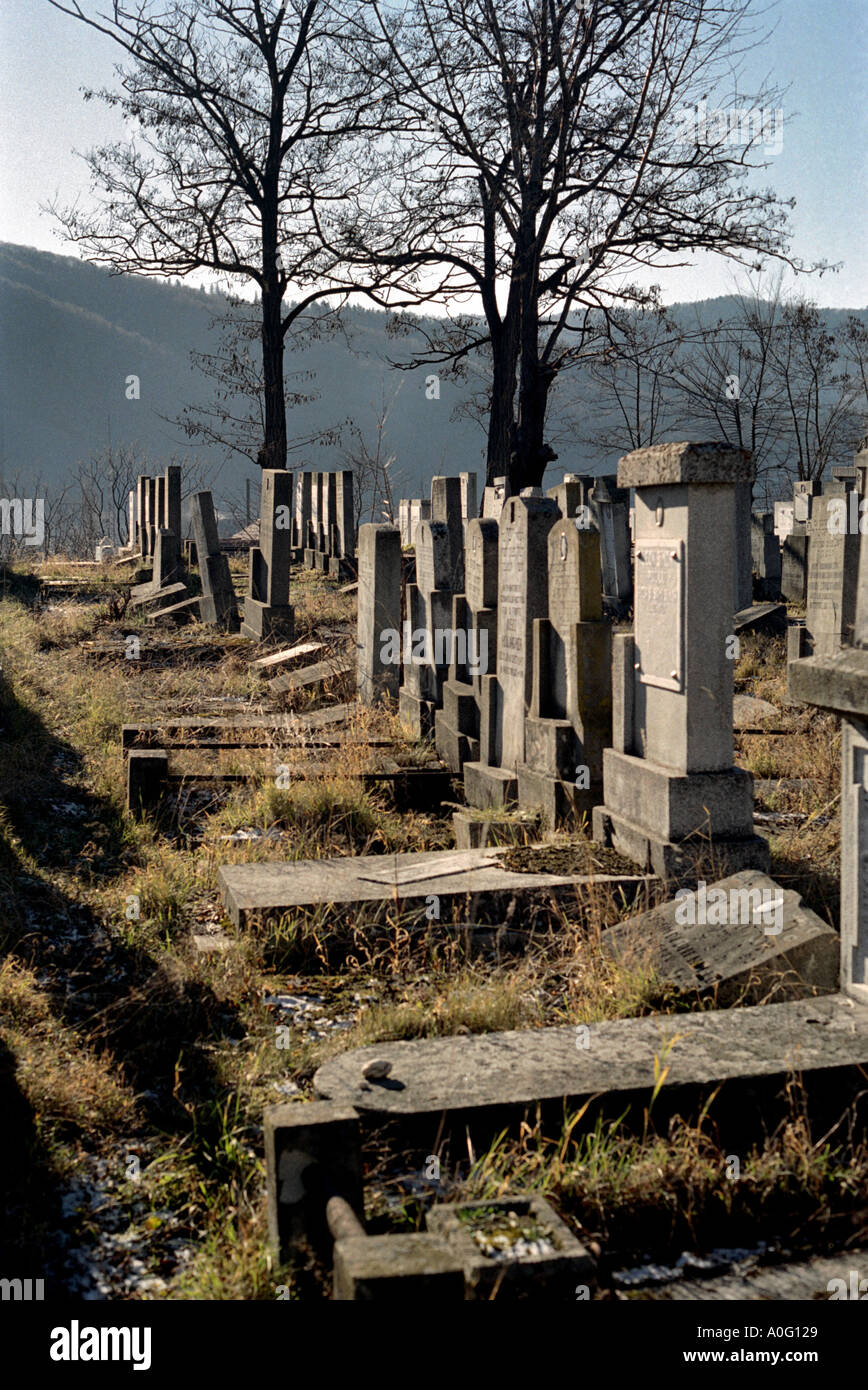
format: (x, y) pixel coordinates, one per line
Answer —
(522, 596)
(267, 611)
(217, 604)
(832, 573)
(303, 511)
(446, 508)
(670, 786)
(475, 615)
(429, 614)
(469, 505)
(766, 554)
(378, 669)
(570, 719)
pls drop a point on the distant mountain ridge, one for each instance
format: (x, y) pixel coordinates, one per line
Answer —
(71, 334)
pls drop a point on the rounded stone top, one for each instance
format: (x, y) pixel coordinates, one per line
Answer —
(684, 462)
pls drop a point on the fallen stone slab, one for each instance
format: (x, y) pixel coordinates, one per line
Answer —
(289, 656)
(251, 891)
(831, 1277)
(251, 731)
(165, 597)
(187, 608)
(769, 618)
(621, 1062)
(321, 673)
(838, 682)
(397, 1268)
(744, 938)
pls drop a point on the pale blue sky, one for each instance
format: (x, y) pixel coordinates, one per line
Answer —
(819, 51)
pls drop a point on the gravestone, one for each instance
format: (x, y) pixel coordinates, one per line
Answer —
(670, 786)
(795, 548)
(469, 505)
(132, 540)
(149, 515)
(838, 681)
(446, 508)
(475, 615)
(743, 571)
(832, 573)
(522, 596)
(341, 565)
(172, 503)
(303, 511)
(167, 559)
(267, 611)
(217, 604)
(609, 505)
(429, 614)
(493, 498)
(784, 520)
(327, 522)
(141, 538)
(379, 612)
(570, 719)
(159, 511)
(766, 555)
(420, 510)
(404, 521)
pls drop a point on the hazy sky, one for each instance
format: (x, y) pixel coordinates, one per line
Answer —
(819, 51)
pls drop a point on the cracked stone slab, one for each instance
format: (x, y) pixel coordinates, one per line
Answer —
(522, 1066)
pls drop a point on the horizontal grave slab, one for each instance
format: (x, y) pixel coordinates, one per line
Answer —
(257, 890)
(623, 1059)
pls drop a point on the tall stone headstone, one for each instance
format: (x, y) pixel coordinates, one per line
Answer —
(570, 719)
(148, 532)
(743, 569)
(167, 559)
(141, 513)
(404, 520)
(610, 508)
(379, 633)
(217, 604)
(446, 508)
(159, 511)
(493, 497)
(832, 574)
(132, 524)
(172, 501)
(469, 505)
(267, 611)
(429, 612)
(474, 622)
(522, 596)
(784, 519)
(838, 681)
(766, 555)
(673, 791)
(302, 509)
(341, 564)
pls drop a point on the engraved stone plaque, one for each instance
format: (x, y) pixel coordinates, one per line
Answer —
(660, 613)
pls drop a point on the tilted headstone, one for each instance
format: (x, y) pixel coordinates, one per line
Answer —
(379, 633)
(522, 596)
(670, 787)
(267, 611)
(839, 682)
(167, 559)
(570, 719)
(217, 604)
(474, 622)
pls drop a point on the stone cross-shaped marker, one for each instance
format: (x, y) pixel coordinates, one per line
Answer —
(570, 720)
(670, 788)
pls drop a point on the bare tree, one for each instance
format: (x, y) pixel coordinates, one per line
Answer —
(239, 111)
(550, 150)
(373, 466)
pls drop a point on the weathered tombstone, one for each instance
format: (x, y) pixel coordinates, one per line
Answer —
(493, 498)
(670, 786)
(838, 681)
(784, 520)
(832, 574)
(341, 564)
(570, 719)
(766, 555)
(429, 613)
(446, 508)
(141, 512)
(159, 512)
(217, 604)
(795, 549)
(132, 540)
(172, 501)
(474, 622)
(150, 514)
(420, 510)
(302, 510)
(522, 596)
(327, 527)
(378, 639)
(404, 521)
(267, 611)
(167, 559)
(469, 505)
(743, 571)
(610, 508)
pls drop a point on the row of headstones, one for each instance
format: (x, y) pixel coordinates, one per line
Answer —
(324, 525)
(806, 553)
(506, 657)
(415, 509)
